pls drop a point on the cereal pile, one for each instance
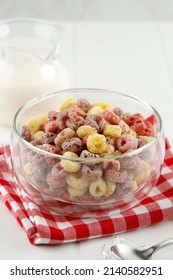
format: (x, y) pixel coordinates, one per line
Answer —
(87, 134)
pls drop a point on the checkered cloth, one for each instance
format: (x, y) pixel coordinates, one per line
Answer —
(43, 227)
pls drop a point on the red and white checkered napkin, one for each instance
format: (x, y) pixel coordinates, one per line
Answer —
(47, 228)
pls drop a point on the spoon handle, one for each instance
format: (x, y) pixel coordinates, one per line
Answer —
(163, 244)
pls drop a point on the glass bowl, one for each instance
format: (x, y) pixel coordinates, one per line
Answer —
(82, 186)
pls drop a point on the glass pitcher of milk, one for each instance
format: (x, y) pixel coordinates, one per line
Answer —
(30, 65)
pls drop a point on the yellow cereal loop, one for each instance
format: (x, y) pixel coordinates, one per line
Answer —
(70, 154)
(98, 188)
(85, 130)
(43, 118)
(77, 182)
(145, 139)
(110, 188)
(131, 132)
(65, 134)
(142, 174)
(76, 192)
(68, 165)
(95, 110)
(71, 101)
(28, 168)
(36, 123)
(96, 143)
(110, 151)
(125, 116)
(134, 186)
(131, 176)
(124, 126)
(117, 153)
(112, 130)
(37, 136)
(104, 105)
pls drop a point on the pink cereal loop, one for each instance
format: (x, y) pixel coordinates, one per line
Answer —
(113, 164)
(110, 116)
(127, 142)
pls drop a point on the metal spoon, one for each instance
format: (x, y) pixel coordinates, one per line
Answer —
(122, 249)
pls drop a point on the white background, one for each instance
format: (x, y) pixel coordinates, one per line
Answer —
(121, 45)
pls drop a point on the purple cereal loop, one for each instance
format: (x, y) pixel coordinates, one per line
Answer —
(76, 117)
(51, 161)
(118, 111)
(96, 121)
(51, 126)
(75, 111)
(34, 157)
(72, 117)
(84, 104)
(91, 172)
(55, 183)
(115, 176)
(50, 148)
(75, 124)
(41, 170)
(87, 154)
(53, 115)
(129, 163)
(56, 177)
(48, 137)
(40, 182)
(35, 142)
(58, 170)
(25, 133)
(61, 119)
(74, 145)
(124, 188)
(29, 155)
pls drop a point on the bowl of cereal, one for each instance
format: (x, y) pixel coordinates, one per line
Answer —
(87, 152)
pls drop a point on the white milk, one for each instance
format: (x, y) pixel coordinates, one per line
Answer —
(26, 77)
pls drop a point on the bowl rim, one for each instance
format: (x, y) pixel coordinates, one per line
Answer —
(36, 100)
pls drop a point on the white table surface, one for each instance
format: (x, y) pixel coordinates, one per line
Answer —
(132, 57)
